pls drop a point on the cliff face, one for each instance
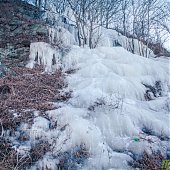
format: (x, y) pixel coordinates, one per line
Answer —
(19, 26)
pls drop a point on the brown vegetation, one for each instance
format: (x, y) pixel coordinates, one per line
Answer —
(149, 162)
(31, 89)
(28, 91)
(11, 160)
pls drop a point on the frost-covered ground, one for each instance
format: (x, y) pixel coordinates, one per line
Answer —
(119, 108)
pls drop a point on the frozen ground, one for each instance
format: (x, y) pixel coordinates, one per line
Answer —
(108, 112)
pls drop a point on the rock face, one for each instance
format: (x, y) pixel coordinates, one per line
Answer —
(19, 26)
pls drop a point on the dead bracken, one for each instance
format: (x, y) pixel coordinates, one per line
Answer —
(22, 94)
(32, 89)
(28, 91)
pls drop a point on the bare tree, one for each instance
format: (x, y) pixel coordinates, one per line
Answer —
(131, 17)
(109, 8)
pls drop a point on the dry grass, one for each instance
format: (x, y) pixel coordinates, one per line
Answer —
(149, 162)
(73, 159)
(30, 90)
(10, 159)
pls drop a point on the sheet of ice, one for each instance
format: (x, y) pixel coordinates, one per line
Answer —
(50, 55)
(108, 109)
(110, 38)
(43, 53)
(105, 71)
(115, 76)
(62, 36)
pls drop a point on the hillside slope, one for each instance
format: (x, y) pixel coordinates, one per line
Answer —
(76, 108)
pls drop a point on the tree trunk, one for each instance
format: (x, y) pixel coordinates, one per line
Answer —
(148, 31)
(107, 20)
(124, 22)
(36, 3)
(39, 4)
(90, 35)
